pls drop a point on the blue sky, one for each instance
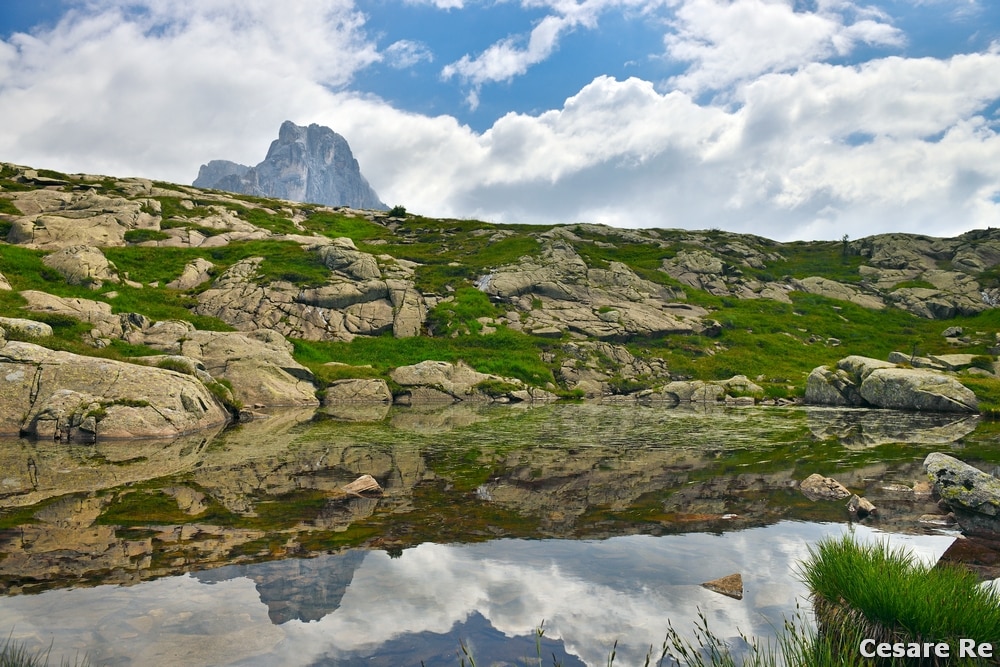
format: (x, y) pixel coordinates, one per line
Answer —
(784, 118)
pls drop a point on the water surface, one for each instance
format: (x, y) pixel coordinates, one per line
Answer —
(599, 522)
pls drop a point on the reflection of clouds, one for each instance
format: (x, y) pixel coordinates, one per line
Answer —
(588, 593)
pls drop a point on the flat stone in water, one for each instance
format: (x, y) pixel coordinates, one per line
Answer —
(730, 585)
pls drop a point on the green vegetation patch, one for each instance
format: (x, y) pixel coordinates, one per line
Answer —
(893, 597)
(338, 225)
(506, 353)
(143, 235)
(460, 315)
(8, 207)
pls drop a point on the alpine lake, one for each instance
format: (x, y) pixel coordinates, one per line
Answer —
(595, 523)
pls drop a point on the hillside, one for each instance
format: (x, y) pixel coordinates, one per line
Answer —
(270, 301)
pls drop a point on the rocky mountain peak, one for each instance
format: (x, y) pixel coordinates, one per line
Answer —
(308, 164)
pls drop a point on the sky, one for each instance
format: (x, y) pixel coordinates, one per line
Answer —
(789, 119)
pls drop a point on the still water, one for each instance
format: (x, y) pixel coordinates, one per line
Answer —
(597, 523)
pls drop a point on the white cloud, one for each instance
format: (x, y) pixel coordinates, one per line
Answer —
(157, 88)
(729, 41)
(826, 150)
(816, 151)
(515, 55)
(406, 53)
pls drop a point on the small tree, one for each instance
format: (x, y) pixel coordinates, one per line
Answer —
(397, 211)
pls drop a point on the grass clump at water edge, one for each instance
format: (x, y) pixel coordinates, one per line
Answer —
(15, 654)
(889, 596)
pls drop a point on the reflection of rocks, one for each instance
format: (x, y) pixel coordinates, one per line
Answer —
(435, 419)
(356, 412)
(296, 588)
(816, 487)
(273, 488)
(869, 428)
(35, 471)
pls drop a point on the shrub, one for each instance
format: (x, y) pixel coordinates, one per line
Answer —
(397, 211)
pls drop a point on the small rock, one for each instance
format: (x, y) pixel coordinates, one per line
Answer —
(731, 585)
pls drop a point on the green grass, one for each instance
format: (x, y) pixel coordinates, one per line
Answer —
(337, 225)
(505, 353)
(891, 596)
(143, 235)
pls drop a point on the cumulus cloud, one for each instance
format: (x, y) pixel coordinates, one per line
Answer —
(796, 149)
(729, 41)
(156, 88)
(826, 150)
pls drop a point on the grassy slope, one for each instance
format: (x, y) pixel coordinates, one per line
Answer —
(778, 342)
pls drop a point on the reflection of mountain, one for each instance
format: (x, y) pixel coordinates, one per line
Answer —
(306, 589)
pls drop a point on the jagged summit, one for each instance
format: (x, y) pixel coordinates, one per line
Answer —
(308, 164)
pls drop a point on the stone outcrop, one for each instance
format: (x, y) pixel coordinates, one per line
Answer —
(258, 364)
(558, 292)
(357, 391)
(865, 382)
(51, 394)
(17, 326)
(54, 219)
(196, 272)
(306, 164)
(441, 381)
(973, 495)
(361, 298)
(82, 265)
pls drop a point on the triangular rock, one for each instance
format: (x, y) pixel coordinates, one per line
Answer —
(731, 585)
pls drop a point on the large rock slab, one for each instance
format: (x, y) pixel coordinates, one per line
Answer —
(258, 364)
(356, 301)
(82, 265)
(360, 390)
(866, 382)
(973, 495)
(446, 381)
(917, 389)
(558, 292)
(52, 394)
